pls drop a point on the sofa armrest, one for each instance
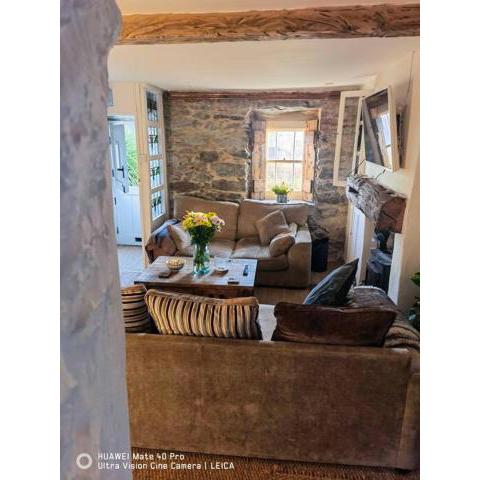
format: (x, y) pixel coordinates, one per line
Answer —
(408, 456)
(160, 242)
(300, 255)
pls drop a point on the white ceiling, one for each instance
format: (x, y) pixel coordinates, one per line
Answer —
(290, 64)
(193, 6)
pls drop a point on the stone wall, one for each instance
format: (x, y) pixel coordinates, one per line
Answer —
(206, 141)
(94, 411)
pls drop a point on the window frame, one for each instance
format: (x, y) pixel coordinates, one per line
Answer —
(294, 195)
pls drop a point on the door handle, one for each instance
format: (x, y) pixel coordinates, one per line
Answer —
(122, 169)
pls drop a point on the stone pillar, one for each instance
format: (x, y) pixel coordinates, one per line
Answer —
(94, 411)
(259, 159)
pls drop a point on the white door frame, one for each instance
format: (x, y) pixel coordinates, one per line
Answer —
(148, 223)
(337, 181)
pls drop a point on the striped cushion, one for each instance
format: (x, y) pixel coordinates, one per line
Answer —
(135, 313)
(182, 314)
(402, 335)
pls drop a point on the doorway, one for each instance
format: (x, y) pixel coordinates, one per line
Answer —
(126, 196)
(125, 180)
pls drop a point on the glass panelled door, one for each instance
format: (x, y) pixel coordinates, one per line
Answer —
(156, 156)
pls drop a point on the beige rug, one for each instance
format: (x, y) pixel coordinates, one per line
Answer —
(259, 469)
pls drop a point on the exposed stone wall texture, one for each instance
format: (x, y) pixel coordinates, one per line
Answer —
(206, 155)
(94, 413)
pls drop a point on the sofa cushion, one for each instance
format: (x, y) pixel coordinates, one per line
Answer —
(135, 313)
(181, 314)
(228, 211)
(401, 334)
(167, 245)
(160, 242)
(218, 247)
(332, 326)
(250, 248)
(270, 226)
(181, 238)
(281, 243)
(252, 210)
(334, 288)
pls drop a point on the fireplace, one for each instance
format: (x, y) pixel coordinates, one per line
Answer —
(379, 262)
(377, 216)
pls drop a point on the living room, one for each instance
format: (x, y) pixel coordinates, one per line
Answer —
(276, 181)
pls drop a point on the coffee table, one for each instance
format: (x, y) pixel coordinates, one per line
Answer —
(212, 284)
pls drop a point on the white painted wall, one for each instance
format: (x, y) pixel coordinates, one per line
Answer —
(404, 78)
(124, 99)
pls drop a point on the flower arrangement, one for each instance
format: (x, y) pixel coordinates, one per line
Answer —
(202, 227)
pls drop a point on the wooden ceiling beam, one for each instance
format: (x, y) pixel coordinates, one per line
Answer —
(308, 23)
(252, 95)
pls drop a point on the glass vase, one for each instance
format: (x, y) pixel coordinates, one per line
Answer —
(201, 259)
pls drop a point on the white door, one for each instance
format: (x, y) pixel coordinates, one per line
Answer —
(359, 237)
(125, 196)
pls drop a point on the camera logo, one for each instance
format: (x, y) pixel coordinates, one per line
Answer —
(84, 461)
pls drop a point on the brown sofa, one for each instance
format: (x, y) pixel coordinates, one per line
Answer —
(239, 239)
(279, 400)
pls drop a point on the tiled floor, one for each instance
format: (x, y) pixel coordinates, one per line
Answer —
(130, 263)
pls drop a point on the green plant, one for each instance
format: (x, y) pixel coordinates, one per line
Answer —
(132, 163)
(281, 189)
(414, 312)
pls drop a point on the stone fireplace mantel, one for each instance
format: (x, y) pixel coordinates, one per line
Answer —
(380, 204)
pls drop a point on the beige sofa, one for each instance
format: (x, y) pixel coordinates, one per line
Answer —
(239, 239)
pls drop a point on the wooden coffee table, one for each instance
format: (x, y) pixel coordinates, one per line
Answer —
(212, 284)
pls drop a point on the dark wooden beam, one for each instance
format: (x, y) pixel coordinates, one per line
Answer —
(380, 204)
(326, 22)
(252, 95)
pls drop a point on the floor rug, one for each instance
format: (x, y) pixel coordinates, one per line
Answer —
(194, 466)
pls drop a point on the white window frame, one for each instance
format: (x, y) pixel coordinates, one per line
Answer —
(146, 190)
(337, 181)
(272, 127)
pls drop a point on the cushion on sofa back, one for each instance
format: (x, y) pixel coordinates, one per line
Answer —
(228, 211)
(183, 314)
(333, 289)
(332, 326)
(252, 210)
(180, 237)
(271, 225)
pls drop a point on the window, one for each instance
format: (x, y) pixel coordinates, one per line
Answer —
(156, 158)
(157, 203)
(153, 141)
(152, 109)
(284, 158)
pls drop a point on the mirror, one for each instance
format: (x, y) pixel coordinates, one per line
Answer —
(379, 119)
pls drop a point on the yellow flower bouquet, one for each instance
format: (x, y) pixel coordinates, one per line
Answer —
(202, 227)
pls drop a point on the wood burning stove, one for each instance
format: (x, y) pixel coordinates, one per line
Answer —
(380, 261)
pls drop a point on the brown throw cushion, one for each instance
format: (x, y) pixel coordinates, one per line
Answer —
(183, 314)
(180, 237)
(271, 225)
(281, 243)
(332, 326)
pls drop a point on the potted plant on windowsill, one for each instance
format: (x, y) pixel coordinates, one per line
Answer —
(281, 191)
